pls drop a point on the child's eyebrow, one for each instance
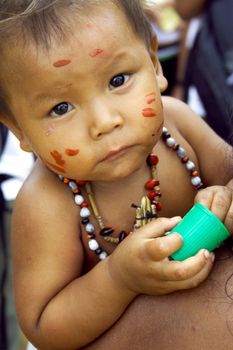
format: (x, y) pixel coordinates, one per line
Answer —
(47, 96)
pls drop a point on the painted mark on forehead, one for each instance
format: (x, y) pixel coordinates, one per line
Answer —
(71, 152)
(61, 63)
(57, 157)
(96, 52)
(148, 112)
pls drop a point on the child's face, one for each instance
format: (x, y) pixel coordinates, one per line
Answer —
(89, 108)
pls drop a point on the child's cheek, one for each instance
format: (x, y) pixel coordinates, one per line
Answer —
(149, 110)
(58, 162)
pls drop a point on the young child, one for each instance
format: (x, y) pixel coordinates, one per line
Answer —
(80, 87)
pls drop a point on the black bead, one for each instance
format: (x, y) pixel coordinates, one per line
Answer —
(106, 231)
(98, 251)
(85, 221)
(122, 235)
(165, 135)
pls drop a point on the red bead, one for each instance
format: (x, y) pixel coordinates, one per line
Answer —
(175, 147)
(194, 173)
(153, 159)
(84, 204)
(185, 159)
(158, 206)
(151, 195)
(81, 182)
(76, 191)
(150, 184)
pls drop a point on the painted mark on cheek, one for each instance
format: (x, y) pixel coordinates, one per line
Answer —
(57, 157)
(96, 52)
(56, 167)
(61, 63)
(148, 113)
(50, 130)
(151, 94)
(151, 97)
(150, 100)
(71, 152)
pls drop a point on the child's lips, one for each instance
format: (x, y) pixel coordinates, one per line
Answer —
(114, 154)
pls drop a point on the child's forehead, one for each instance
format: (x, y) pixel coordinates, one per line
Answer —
(91, 40)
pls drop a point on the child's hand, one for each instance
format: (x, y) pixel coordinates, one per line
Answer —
(141, 264)
(218, 199)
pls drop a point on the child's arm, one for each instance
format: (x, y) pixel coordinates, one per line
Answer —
(58, 308)
(214, 157)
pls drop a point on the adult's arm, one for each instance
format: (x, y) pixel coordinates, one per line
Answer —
(191, 8)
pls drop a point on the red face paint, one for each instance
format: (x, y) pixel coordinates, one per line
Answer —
(56, 167)
(150, 100)
(148, 112)
(71, 152)
(57, 157)
(61, 63)
(151, 94)
(96, 52)
(50, 130)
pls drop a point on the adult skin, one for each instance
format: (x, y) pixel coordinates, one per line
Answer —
(189, 9)
(197, 319)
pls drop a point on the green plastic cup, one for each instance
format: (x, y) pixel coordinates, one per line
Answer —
(199, 228)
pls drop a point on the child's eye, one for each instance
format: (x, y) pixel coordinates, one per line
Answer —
(118, 80)
(61, 109)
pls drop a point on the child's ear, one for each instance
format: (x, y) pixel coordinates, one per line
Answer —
(15, 129)
(162, 81)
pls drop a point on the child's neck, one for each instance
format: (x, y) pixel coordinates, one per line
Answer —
(131, 182)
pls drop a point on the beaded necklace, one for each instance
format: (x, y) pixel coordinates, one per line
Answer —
(147, 210)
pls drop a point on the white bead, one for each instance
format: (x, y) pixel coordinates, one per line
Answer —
(165, 129)
(72, 185)
(196, 181)
(78, 199)
(85, 212)
(181, 152)
(93, 244)
(190, 165)
(90, 228)
(103, 255)
(170, 142)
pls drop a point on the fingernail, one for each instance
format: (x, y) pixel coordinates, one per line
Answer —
(206, 254)
(176, 218)
(212, 257)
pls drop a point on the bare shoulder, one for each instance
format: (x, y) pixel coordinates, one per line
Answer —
(47, 248)
(212, 152)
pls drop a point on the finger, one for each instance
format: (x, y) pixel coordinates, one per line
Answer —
(217, 199)
(162, 247)
(195, 280)
(184, 270)
(158, 227)
(205, 197)
(221, 203)
(228, 222)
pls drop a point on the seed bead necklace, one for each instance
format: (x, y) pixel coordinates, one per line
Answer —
(145, 212)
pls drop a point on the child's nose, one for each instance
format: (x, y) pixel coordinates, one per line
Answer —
(103, 119)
